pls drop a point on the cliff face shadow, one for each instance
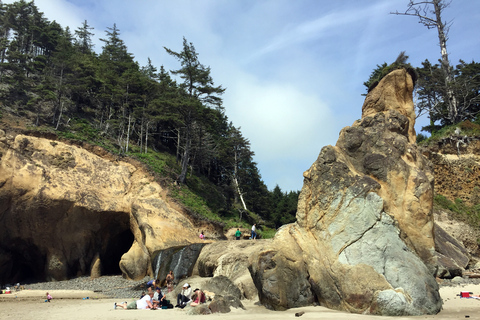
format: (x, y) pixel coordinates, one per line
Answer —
(57, 241)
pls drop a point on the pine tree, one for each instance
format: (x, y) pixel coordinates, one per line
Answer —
(198, 92)
(84, 38)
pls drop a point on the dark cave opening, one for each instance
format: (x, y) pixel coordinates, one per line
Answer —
(116, 247)
(21, 262)
(74, 239)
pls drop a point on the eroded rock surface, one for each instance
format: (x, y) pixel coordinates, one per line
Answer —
(231, 259)
(66, 212)
(363, 240)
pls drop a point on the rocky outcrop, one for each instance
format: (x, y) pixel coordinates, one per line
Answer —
(230, 259)
(363, 240)
(66, 211)
(452, 256)
(456, 165)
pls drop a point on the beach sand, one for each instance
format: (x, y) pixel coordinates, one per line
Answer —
(73, 304)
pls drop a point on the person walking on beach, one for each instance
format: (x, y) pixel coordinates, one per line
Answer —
(238, 234)
(254, 234)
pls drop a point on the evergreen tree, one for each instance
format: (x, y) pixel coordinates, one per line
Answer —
(198, 92)
(431, 93)
(84, 38)
(116, 71)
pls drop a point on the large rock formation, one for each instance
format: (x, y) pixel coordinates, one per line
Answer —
(363, 240)
(231, 259)
(66, 211)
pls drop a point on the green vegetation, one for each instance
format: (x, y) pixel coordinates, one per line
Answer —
(173, 122)
(460, 211)
(467, 128)
(382, 70)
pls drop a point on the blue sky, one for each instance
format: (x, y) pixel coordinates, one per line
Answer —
(294, 70)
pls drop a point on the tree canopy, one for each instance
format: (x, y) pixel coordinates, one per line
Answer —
(53, 77)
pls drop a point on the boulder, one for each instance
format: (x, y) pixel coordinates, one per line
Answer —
(181, 260)
(230, 259)
(222, 286)
(363, 239)
(223, 304)
(219, 305)
(201, 309)
(70, 210)
(452, 256)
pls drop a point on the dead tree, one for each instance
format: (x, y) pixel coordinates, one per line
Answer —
(429, 14)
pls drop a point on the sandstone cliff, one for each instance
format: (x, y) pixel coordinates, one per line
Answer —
(66, 211)
(363, 240)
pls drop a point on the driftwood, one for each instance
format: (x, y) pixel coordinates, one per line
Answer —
(457, 141)
(473, 275)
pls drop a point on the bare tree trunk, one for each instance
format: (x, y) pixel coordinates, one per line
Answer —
(128, 133)
(235, 180)
(423, 10)
(146, 137)
(141, 136)
(178, 144)
(60, 115)
(442, 29)
(182, 178)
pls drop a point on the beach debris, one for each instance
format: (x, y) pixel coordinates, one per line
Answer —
(299, 314)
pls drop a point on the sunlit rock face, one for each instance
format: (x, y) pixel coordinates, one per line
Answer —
(67, 211)
(363, 241)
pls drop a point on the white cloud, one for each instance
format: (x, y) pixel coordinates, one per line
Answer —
(293, 69)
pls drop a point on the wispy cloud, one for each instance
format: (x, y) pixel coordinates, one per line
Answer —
(327, 25)
(293, 69)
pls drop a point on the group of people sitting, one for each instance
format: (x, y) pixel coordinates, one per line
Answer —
(186, 296)
(151, 300)
(156, 299)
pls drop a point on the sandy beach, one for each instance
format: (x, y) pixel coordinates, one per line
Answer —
(73, 304)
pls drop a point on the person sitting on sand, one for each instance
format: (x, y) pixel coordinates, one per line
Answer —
(198, 297)
(202, 236)
(184, 297)
(159, 298)
(49, 297)
(145, 303)
(169, 281)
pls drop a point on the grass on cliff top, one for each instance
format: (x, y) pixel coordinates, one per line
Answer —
(467, 128)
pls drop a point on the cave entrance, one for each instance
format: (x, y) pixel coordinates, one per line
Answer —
(21, 262)
(117, 246)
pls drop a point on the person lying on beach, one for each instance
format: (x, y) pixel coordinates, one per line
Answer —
(145, 303)
(465, 294)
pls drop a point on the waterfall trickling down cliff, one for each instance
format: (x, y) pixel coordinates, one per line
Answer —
(178, 259)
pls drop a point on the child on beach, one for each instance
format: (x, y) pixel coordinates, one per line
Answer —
(49, 297)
